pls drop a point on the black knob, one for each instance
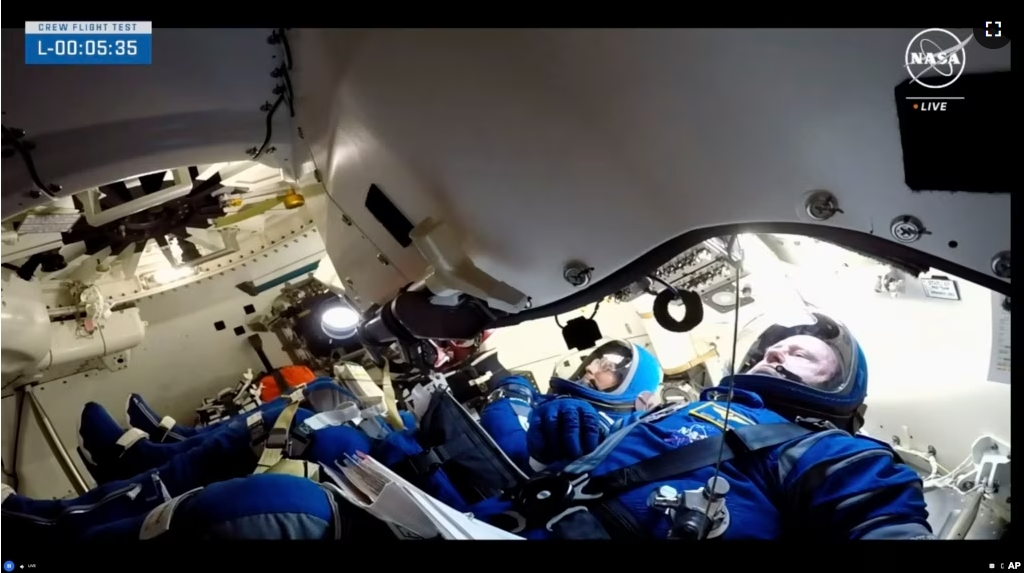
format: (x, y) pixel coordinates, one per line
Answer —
(690, 525)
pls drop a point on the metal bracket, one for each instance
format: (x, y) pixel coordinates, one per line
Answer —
(56, 446)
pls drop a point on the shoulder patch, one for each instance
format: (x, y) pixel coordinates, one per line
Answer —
(715, 413)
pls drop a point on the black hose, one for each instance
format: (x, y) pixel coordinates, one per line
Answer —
(288, 49)
(9, 138)
(270, 127)
(694, 309)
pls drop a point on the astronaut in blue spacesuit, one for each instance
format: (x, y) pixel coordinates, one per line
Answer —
(203, 481)
(321, 395)
(775, 459)
(769, 453)
(616, 380)
(111, 453)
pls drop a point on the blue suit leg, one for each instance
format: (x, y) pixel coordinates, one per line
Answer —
(222, 456)
(320, 395)
(259, 507)
(141, 416)
(111, 454)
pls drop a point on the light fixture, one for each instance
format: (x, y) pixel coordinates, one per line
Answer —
(171, 274)
(339, 321)
(724, 298)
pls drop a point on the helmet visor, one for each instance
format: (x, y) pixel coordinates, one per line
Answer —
(810, 349)
(604, 369)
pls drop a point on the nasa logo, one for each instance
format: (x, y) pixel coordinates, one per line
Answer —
(936, 50)
(687, 435)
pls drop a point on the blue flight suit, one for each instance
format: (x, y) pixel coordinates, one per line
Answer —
(827, 484)
(160, 472)
(784, 480)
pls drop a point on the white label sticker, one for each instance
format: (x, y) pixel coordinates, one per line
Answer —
(1000, 352)
(129, 438)
(49, 223)
(940, 288)
(167, 422)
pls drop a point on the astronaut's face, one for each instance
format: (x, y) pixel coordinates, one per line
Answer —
(600, 374)
(805, 357)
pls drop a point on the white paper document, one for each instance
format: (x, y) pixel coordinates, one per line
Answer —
(411, 513)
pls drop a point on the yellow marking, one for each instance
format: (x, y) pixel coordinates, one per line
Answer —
(715, 414)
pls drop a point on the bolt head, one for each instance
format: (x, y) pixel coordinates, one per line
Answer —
(821, 205)
(1001, 264)
(906, 229)
(577, 274)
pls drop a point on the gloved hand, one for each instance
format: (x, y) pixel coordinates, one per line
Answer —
(563, 430)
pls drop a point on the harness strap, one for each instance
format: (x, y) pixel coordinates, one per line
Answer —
(391, 405)
(433, 458)
(297, 468)
(697, 455)
(279, 381)
(273, 450)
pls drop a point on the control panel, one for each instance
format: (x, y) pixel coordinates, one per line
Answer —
(708, 269)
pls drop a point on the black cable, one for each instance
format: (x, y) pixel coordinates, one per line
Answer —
(9, 138)
(669, 287)
(593, 314)
(291, 97)
(16, 378)
(278, 37)
(663, 282)
(733, 371)
(270, 126)
(288, 49)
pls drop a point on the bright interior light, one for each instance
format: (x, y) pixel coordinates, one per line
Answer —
(170, 275)
(724, 298)
(339, 321)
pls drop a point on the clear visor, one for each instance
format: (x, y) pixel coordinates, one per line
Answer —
(810, 349)
(603, 369)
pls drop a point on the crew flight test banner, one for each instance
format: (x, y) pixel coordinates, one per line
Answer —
(89, 43)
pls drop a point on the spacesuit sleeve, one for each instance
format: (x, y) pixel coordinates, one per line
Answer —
(506, 417)
(844, 487)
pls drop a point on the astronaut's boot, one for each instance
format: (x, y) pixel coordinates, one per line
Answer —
(258, 507)
(160, 428)
(164, 429)
(56, 520)
(111, 453)
(229, 453)
(98, 437)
